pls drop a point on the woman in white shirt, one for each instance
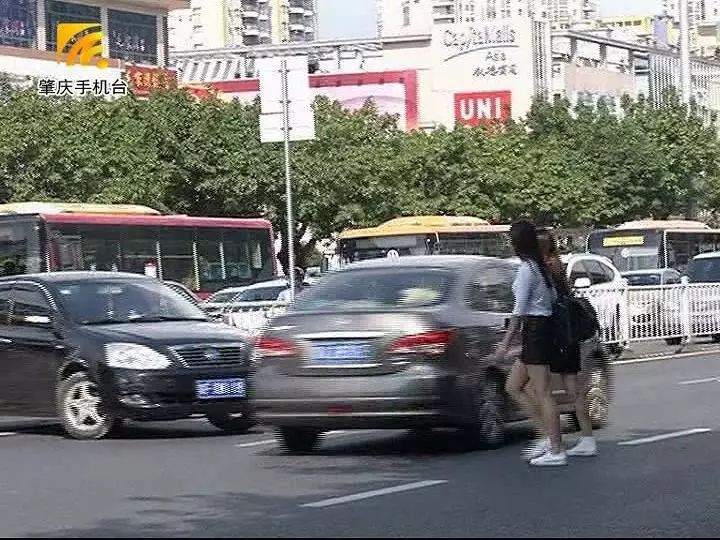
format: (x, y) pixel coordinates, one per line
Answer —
(534, 298)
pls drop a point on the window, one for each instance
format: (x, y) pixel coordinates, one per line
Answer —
(597, 274)
(5, 295)
(18, 23)
(406, 15)
(491, 290)
(176, 248)
(19, 248)
(59, 12)
(578, 271)
(609, 274)
(139, 248)
(85, 247)
(133, 36)
(29, 301)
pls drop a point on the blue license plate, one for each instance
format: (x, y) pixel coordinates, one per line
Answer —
(340, 353)
(220, 388)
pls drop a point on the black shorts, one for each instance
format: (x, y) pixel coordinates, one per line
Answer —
(538, 345)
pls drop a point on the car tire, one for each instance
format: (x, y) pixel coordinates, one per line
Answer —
(674, 341)
(299, 440)
(229, 423)
(716, 338)
(81, 410)
(487, 425)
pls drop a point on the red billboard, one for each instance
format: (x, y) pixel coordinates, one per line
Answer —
(146, 79)
(479, 108)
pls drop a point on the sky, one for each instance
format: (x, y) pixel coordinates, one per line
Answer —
(356, 18)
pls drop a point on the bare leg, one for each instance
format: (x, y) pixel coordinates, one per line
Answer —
(540, 380)
(516, 386)
(577, 394)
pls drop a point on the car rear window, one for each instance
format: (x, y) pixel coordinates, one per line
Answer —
(377, 289)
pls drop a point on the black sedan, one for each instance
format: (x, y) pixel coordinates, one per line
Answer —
(94, 348)
(400, 344)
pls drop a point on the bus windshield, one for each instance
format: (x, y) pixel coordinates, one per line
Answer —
(628, 250)
(489, 244)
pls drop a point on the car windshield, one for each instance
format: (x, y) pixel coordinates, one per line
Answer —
(704, 270)
(377, 289)
(643, 279)
(125, 302)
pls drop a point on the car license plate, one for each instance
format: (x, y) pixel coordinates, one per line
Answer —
(340, 353)
(220, 388)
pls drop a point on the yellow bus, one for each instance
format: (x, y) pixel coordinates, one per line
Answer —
(425, 235)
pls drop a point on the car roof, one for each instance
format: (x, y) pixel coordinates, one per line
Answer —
(709, 255)
(267, 284)
(424, 261)
(59, 277)
(650, 271)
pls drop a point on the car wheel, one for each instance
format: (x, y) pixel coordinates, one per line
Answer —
(231, 423)
(674, 341)
(487, 427)
(716, 338)
(598, 398)
(299, 440)
(81, 410)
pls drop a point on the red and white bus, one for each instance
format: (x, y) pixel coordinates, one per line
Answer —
(205, 254)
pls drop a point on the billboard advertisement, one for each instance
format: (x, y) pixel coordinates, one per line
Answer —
(483, 108)
(392, 92)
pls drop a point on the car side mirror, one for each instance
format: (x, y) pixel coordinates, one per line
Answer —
(582, 283)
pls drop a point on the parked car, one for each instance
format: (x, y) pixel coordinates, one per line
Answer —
(705, 308)
(95, 348)
(652, 307)
(399, 344)
(313, 274)
(594, 273)
(705, 268)
(264, 291)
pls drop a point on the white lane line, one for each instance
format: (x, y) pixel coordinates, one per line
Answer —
(273, 441)
(664, 357)
(373, 493)
(7, 433)
(700, 381)
(664, 436)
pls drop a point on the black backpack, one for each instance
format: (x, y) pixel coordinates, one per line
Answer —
(583, 318)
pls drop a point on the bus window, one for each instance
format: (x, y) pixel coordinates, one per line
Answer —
(19, 248)
(628, 249)
(176, 249)
(212, 275)
(139, 247)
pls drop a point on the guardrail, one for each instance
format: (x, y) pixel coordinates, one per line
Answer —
(626, 314)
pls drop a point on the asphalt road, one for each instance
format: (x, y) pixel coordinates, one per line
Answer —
(185, 479)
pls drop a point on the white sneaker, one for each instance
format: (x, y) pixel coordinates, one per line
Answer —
(548, 459)
(536, 449)
(587, 447)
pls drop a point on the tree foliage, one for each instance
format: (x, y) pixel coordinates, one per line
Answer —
(566, 167)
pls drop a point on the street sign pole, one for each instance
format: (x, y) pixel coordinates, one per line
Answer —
(288, 180)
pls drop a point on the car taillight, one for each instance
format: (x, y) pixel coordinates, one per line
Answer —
(435, 342)
(267, 347)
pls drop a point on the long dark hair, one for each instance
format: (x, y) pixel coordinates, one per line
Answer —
(524, 239)
(549, 250)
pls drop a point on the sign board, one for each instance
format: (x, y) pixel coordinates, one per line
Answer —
(617, 241)
(494, 61)
(146, 79)
(478, 108)
(301, 118)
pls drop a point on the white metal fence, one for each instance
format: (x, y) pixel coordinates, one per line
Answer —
(626, 314)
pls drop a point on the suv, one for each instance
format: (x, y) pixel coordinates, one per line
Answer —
(95, 348)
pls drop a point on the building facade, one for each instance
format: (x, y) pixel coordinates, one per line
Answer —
(412, 17)
(215, 24)
(133, 32)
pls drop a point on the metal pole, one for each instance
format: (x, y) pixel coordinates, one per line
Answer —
(685, 75)
(288, 185)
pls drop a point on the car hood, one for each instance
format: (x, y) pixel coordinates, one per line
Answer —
(170, 332)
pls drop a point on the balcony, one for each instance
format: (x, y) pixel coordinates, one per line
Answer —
(250, 14)
(251, 31)
(309, 13)
(295, 27)
(296, 10)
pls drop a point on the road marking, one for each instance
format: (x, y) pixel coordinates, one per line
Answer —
(700, 381)
(373, 493)
(273, 441)
(7, 433)
(664, 436)
(663, 357)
